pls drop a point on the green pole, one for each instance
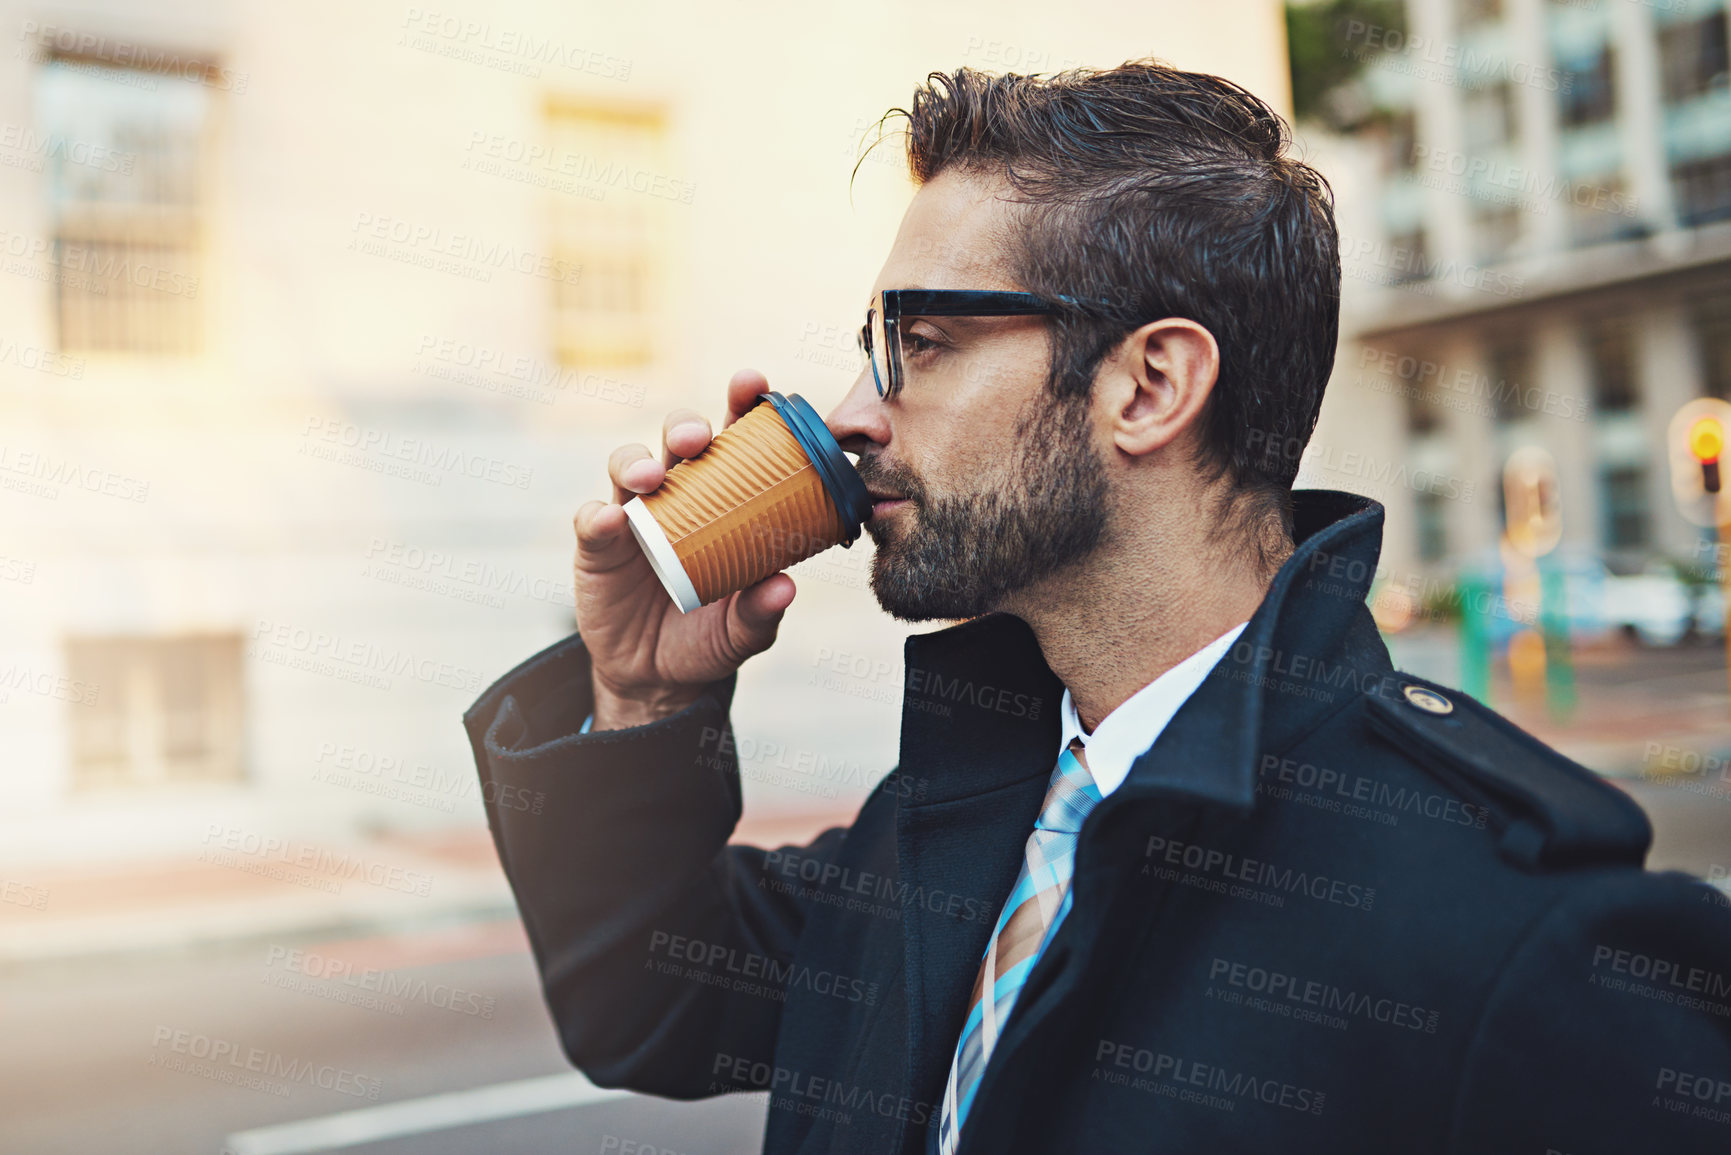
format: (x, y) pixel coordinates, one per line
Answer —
(1475, 639)
(1559, 658)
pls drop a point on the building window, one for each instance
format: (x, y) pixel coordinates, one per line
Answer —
(1400, 141)
(1422, 412)
(1585, 92)
(605, 314)
(1702, 190)
(1496, 232)
(1432, 519)
(1407, 256)
(1692, 58)
(1595, 214)
(1476, 12)
(126, 149)
(1489, 118)
(1713, 330)
(1611, 348)
(1509, 365)
(160, 710)
(1624, 501)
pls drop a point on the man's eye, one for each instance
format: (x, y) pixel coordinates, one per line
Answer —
(915, 344)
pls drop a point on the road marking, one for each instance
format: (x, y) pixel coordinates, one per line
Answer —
(417, 1116)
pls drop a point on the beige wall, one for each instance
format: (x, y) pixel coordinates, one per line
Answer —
(337, 115)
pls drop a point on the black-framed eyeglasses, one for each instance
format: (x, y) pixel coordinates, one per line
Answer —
(881, 336)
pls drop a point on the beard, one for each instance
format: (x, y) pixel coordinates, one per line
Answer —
(965, 553)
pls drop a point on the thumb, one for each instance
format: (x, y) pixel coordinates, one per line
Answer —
(604, 538)
(754, 617)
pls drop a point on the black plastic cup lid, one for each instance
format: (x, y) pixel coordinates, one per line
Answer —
(842, 481)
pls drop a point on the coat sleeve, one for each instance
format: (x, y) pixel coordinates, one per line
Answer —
(1610, 1030)
(658, 942)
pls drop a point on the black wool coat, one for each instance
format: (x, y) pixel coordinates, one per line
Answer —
(1334, 908)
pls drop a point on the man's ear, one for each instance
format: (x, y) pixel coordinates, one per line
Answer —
(1157, 383)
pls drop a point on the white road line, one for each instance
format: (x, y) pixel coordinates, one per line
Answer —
(417, 1116)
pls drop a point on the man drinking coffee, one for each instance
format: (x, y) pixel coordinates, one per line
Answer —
(1230, 882)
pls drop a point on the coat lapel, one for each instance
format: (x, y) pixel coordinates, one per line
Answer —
(980, 731)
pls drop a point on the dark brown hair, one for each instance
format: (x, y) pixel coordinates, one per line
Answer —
(1168, 194)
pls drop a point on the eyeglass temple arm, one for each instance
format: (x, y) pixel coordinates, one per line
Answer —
(986, 303)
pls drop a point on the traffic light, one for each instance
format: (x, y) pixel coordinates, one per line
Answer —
(1696, 444)
(1534, 521)
(1706, 442)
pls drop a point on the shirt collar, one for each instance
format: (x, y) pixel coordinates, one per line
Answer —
(1130, 729)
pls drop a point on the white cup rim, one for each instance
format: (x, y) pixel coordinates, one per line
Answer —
(662, 559)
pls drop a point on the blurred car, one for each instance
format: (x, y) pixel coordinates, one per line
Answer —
(1653, 603)
(1710, 610)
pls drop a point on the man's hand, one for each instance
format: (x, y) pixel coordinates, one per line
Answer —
(648, 659)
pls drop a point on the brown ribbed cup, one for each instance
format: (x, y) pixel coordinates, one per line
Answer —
(749, 505)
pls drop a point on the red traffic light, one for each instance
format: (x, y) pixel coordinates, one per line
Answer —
(1706, 440)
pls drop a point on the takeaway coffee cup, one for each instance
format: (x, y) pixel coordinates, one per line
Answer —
(770, 490)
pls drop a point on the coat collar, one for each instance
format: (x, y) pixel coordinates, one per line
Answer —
(981, 706)
(980, 725)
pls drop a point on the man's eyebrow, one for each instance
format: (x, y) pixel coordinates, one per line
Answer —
(956, 321)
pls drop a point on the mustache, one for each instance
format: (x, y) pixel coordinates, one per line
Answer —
(880, 476)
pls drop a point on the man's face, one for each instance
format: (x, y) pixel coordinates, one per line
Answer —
(1003, 488)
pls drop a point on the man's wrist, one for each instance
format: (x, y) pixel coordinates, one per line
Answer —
(620, 711)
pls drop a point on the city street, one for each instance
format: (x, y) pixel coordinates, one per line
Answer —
(101, 1056)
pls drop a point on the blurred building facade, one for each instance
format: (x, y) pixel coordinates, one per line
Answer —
(319, 322)
(1536, 235)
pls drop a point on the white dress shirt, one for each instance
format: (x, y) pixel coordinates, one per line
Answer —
(1125, 734)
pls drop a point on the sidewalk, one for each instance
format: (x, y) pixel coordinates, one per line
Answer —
(1639, 712)
(249, 892)
(225, 895)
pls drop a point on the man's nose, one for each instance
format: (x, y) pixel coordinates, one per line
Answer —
(862, 419)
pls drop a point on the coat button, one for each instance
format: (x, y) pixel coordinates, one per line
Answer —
(1429, 701)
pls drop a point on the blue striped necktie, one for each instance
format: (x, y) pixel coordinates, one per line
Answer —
(1037, 903)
